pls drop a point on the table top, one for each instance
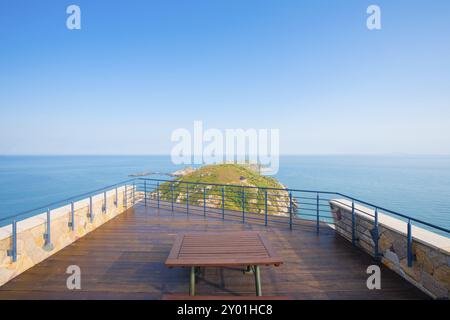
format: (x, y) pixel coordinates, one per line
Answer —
(203, 249)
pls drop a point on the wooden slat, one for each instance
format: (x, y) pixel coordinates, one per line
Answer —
(176, 247)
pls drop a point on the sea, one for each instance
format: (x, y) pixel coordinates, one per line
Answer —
(417, 186)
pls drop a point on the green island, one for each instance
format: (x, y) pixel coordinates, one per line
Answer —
(242, 185)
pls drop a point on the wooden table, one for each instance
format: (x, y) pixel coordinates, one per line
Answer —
(249, 249)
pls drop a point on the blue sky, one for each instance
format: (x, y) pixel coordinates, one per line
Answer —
(137, 70)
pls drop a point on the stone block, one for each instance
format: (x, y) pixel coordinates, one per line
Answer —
(413, 272)
(392, 258)
(442, 274)
(385, 242)
(422, 259)
(435, 287)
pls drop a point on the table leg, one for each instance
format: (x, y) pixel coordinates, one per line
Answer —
(192, 282)
(258, 281)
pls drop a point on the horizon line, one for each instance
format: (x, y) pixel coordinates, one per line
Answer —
(165, 154)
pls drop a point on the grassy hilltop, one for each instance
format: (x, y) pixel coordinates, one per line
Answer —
(234, 177)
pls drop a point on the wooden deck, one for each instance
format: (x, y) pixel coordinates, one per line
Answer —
(124, 259)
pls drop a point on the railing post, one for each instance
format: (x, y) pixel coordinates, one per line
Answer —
(265, 208)
(116, 201)
(145, 192)
(409, 244)
(157, 193)
(187, 198)
(171, 188)
(134, 193)
(243, 205)
(104, 202)
(13, 251)
(290, 210)
(376, 236)
(223, 203)
(72, 216)
(47, 235)
(91, 210)
(317, 214)
(353, 224)
(204, 201)
(125, 198)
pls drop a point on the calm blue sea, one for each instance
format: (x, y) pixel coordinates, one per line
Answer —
(415, 185)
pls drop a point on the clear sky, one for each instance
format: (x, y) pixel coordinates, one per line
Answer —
(137, 70)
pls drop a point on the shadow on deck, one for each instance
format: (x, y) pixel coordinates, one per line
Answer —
(124, 259)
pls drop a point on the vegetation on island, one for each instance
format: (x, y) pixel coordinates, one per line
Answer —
(243, 187)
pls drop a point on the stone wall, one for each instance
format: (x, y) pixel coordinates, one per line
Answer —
(30, 232)
(430, 270)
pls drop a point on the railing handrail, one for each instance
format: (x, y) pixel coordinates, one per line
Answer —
(66, 200)
(395, 213)
(311, 191)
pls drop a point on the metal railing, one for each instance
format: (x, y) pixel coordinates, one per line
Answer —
(47, 209)
(265, 205)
